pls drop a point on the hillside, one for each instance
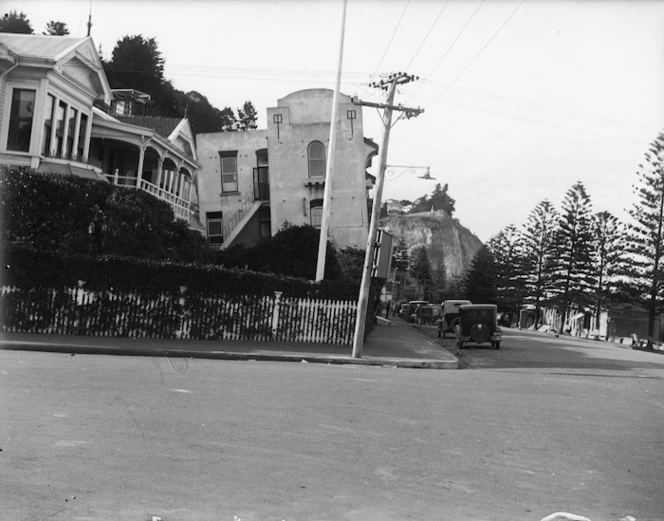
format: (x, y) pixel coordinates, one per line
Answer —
(441, 234)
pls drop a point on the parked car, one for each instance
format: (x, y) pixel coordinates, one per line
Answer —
(449, 316)
(412, 311)
(404, 311)
(478, 324)
(425, 315)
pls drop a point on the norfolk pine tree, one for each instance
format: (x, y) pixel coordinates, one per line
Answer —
(480, 280)
(538, 254)
(574, 280)
(506, 248)
(645, 241)
(609, 247)
(247, 116)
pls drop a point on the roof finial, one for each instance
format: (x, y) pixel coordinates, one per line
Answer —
(90, 19)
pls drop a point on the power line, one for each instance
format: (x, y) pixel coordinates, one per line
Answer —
(480, 51)
(250, 72)
(457, 38)
(526, 119)
(449, 48)
(556, 110)
(392, 38)
(427, 35)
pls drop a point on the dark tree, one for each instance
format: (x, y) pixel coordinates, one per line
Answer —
(383, 211)
(421, 204)
(574, 281)
(169, 101)
(610, 262)
(247, 117)
(480, 280)
(14, 22)
(400, 257)
(292, 251)
(202, 116)
(646, 240)
(56, 28)
(420, 268)
(228, 120)
(538, 256)
(439, 279)
(137, 64)
(351, 262)
(506, 249)
(440, 200)
(455, 289)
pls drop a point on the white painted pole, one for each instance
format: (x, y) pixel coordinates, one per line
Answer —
(331, 152)
(360, 321)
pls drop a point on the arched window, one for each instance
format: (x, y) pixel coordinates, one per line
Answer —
(316, 158)
(316, 212)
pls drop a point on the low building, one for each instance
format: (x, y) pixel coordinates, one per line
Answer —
(253, 182)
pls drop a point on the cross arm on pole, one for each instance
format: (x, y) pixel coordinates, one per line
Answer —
(409, 112)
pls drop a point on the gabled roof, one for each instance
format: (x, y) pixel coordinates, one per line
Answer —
(161, 125)
(75, 59)
(39, 46)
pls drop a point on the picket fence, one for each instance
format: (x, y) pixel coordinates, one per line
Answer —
(77, 311)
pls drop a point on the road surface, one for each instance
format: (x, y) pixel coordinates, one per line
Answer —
(91, 437)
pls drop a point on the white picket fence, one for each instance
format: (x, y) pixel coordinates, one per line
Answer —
(183, 316)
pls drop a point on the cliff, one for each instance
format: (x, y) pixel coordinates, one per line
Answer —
(440, 234)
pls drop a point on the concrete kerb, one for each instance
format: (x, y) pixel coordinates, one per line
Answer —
(228, 355)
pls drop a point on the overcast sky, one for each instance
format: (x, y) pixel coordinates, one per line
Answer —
(520, 99)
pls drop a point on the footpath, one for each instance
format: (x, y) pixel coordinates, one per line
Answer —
(391, 343)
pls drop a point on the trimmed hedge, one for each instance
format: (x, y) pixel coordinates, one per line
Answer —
(29, 268)
(74, 214)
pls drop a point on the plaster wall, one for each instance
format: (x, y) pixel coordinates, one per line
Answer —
(305, 118)
(211, 198)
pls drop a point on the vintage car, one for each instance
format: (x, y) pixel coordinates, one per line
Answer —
(478, 324)
(413, 306)
(449, 316)
(425, 315)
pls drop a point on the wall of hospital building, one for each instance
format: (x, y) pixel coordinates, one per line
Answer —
(211, 147)
(298, 120)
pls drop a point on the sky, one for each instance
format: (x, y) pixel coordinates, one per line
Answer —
(521, 98)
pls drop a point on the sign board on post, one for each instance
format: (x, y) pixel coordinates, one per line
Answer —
(382, 255)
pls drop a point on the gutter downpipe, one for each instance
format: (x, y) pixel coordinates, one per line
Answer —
(13, 66)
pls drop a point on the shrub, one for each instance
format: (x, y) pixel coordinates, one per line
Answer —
(85, 216)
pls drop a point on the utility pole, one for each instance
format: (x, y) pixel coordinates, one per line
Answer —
(331, 153)
(389, 84)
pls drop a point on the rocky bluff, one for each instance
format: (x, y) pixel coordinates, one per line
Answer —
(442, 235)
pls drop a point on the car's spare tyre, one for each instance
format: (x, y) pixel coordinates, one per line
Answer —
(480, 333)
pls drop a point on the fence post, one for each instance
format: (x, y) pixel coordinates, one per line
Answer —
(182, 333)
(275, 313)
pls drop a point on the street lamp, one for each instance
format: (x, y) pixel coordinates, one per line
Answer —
(410, 169)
